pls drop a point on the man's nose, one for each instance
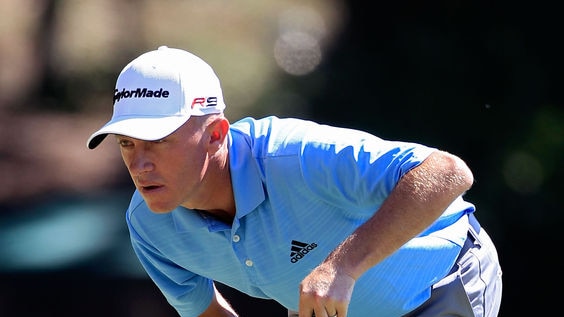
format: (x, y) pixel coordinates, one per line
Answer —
(141, 163)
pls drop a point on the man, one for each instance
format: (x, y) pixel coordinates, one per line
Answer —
(327, 221)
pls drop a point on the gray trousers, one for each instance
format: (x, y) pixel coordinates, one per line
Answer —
(472, 288)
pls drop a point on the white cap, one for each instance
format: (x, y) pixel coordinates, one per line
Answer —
(157, 92)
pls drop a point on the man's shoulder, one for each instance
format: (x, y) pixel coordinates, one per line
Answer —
(268, 125)
(271, 135)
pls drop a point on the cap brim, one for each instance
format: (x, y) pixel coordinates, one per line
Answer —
(147, 129)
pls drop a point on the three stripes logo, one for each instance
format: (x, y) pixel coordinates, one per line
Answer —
(300, 249)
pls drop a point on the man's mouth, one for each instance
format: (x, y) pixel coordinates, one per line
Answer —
(151, 187)
(146, 187)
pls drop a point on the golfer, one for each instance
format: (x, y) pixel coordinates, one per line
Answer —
(327, 221)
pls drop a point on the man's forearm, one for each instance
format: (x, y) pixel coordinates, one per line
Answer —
(418, 199)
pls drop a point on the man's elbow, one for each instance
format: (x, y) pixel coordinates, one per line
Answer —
(460, 174)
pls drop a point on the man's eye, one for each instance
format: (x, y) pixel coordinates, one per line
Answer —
(124, 143)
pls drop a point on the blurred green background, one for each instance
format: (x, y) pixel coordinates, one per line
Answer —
(479, 79)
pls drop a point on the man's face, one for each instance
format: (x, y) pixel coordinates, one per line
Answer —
(168, 172)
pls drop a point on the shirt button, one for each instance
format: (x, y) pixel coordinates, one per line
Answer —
(236, 238)
(249, 263)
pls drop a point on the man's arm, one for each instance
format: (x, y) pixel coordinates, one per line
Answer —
(219, 307)
(417, 200)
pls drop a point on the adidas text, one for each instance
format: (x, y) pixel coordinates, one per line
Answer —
(300, 249)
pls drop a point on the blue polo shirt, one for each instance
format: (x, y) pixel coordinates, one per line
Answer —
(300, 189)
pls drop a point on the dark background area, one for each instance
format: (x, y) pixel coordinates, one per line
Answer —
(478, 79)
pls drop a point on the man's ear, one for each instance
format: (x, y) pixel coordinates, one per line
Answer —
(217, 131)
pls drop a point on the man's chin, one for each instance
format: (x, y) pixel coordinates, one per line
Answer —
(159, 208)
(161, 211)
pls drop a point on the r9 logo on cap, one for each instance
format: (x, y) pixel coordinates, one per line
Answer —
(204, 102)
